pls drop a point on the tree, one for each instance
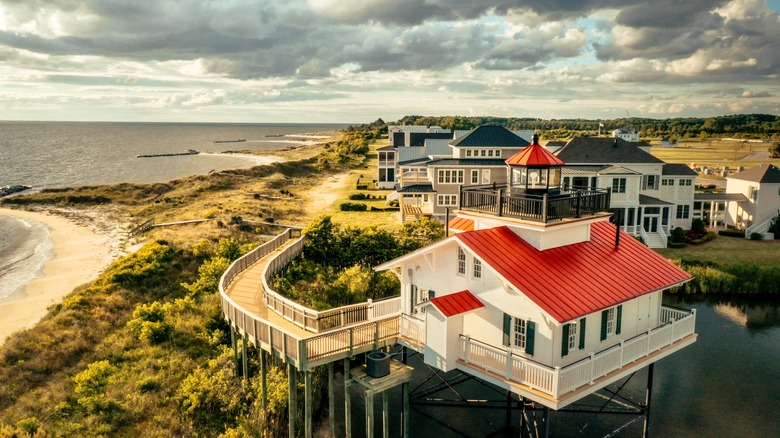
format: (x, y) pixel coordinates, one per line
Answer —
(775, 150)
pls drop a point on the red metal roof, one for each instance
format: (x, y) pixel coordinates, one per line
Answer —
(534, 155)
(457, 303)
(461, 224)
(572, 281)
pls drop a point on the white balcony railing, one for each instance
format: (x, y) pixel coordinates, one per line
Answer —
(412, 328)
(555, 381)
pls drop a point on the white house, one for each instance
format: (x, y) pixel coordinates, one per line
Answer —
(761, 186)
(401, 137)
(536, 291)
(629, 134)
(649, 196)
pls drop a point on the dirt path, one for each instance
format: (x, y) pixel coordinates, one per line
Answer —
(322, 196)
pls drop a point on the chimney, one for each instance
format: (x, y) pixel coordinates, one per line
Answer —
(536, 139)
(614, 144)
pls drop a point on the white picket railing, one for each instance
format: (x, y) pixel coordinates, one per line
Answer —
(412, 328)
(676, 325)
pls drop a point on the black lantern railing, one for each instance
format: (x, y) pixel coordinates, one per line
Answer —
(498, 200)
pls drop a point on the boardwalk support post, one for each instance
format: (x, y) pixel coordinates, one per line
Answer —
(307, 411)
(264, 378)
(331, 399)
(244, 358)
(234, 344)
(347, 400)
(369, 414)
(546, 432)
(292, 398)
(385, 415)
(405, 412)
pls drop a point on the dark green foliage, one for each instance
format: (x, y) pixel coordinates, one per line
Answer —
(756, 236)
(350, 206)
(775, 150)
(678, 235)
(145, 268)
(774, 226)
(697, 226)
(358, 196)
(713, 279)
(732, 233)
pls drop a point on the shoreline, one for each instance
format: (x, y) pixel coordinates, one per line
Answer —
(80, 256)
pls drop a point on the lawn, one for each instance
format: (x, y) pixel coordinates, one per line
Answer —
(729, 251)
(716, 153)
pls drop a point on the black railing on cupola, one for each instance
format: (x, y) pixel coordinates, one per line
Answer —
(496, 199)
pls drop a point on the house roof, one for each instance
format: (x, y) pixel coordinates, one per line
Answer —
(534, 155)
(461, 224)
(387, 148)
(575, 280)
(583, 170)
(483, 162)
(417, 188)
(649, 200)
(765, 173)
(738, 197)
(457, 303)
(674, 169)
(490, 136)
(605, 150)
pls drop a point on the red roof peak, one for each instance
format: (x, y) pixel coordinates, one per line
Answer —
(535, 155)
(457, 303)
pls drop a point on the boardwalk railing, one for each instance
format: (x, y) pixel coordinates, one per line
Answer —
(353, 329)
(676, 325)
(496, 199)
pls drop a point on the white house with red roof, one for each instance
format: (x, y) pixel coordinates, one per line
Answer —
(535, 291)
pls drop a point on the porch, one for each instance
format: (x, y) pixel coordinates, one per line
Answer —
(560, 386)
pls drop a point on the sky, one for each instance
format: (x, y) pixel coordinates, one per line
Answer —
(353, 61)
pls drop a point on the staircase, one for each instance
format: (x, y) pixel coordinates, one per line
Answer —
(655, 240)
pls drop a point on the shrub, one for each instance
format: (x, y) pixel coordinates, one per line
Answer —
(357, 196)
(361, 187)
(149, 324)
(349, 206)
(678, 235)
(756, 236)
(697, 226)
(677, 245)
(731, 233)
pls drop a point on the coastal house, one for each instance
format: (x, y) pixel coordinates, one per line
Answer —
(627, 134)
(536, 292)
(648, 196)
(403, 136)
(759, 202)
(430, 178)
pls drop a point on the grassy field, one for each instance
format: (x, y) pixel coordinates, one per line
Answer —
(716, 153)
(726, 251)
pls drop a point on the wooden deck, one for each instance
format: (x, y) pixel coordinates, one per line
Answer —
(248, 313)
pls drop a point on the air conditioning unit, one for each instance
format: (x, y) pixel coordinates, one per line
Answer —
(377, 364)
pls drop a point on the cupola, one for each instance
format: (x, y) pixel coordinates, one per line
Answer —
(535, 170)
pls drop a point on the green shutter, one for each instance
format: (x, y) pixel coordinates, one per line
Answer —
(530, 329)
(604, 316)
(507, 328)
(619, 318)
(565, 340)
(582, 333)
(431, 294)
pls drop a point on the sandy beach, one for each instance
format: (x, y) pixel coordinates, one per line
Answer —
(80, 255)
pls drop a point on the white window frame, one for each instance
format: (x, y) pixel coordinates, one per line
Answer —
(476, 268)
(475, 176)
(447, 200)
(518, 333)
(573, 338)
(611, 321)
(619, 185)
(450, 176)
(686, 182)
(461, 262)
(485, 176)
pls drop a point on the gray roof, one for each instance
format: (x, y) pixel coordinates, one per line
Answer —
(765, 173)
(490, 136)
(649, 200)
(739, 197)
(673, 169)
(417, 188)
(605, 151)
(468, 162)
(583, 170)
(410, 162)
(387, 148)
(435, 146)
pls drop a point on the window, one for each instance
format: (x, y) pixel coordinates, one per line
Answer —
(485, 176)
(650, 182)
(468, 152)
(610, 321)
(450, 176)
(477, 269)
(683, 211)
(490, 152)
(498, 153)
(618, 185)
(461, 262)
(686, 182)
(483, 153)
(668, 182)
(519, 333)
(573, 337)
(447, 200)
(475, 176)
(565, 183)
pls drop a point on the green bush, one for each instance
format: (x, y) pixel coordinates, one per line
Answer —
(677, 245)
(678, 235)
(756, 236)
(361, 187)
(349, 206)
(357, 196)
(697, 226)
(731, 233)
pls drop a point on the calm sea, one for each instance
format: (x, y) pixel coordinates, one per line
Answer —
(66, 154)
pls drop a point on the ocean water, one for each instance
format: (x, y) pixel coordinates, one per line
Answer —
(68, 154)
